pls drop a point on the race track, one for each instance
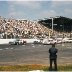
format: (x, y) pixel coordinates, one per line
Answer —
(33, 54)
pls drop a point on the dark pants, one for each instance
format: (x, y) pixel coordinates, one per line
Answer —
(55, 64)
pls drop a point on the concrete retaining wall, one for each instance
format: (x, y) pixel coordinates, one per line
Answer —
(6, 41)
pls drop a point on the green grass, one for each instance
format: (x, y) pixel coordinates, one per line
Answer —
(33, 67)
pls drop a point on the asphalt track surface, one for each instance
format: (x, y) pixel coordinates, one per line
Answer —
(34, 54)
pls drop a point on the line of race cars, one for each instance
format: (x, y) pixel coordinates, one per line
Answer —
(57, 40)
(45, 41)
(17, 42)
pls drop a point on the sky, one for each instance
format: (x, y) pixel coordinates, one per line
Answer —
(35, 9)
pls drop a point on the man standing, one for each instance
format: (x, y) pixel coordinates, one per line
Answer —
(53, 57)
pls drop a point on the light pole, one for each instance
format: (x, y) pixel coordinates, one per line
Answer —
(52, 22)
(52, 25)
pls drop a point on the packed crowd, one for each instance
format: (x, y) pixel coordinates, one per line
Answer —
(12, 28)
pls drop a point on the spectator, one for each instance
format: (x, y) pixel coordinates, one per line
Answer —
(53, 57)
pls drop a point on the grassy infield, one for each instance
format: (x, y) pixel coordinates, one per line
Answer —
(33, 67)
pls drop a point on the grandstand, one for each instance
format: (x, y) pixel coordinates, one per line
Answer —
(62, 25)
(12, 28)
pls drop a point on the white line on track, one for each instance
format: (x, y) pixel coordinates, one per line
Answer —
(23, 45)
(45, 45)
(63, 44)
(1, 49)
(6, 48)
(39, 45)
(67, 57)
(33, 46)
(12, 48)
(69, 47)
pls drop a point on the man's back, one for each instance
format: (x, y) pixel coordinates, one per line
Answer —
(53, 52)
(53, 56)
